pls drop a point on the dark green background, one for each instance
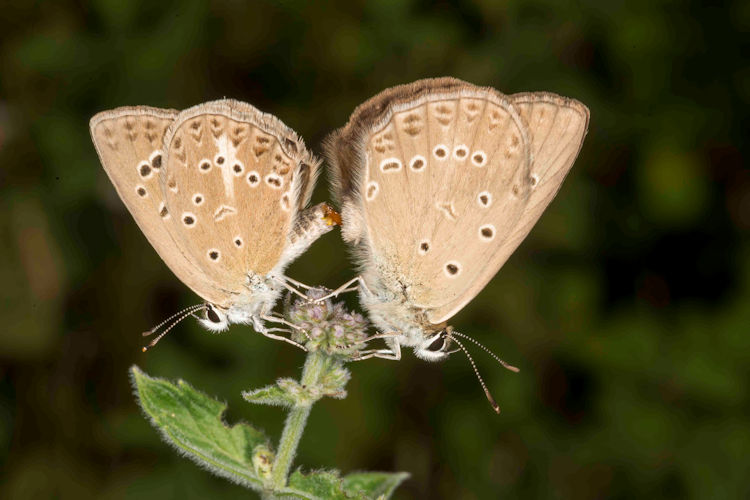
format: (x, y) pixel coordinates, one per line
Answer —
(626, 308)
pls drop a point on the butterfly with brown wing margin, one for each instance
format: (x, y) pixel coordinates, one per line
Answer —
(219, 190)
(439, 181)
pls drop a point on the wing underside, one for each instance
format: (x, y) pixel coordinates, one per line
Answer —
(440, 181)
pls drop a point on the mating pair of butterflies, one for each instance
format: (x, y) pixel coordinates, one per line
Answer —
(438, 182)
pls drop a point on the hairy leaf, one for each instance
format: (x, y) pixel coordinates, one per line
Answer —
(192, 422)
(317, 485)
(374, 484)
(274, 395)
(329, 485)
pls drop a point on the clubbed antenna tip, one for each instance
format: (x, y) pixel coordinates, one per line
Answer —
(492, 401)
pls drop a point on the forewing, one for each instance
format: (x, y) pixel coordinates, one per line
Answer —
(129, 142)
(235, 181)
(556, 129)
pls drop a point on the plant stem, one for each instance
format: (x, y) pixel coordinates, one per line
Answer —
(315, 365)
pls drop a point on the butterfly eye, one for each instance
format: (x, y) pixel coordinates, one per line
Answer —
(437, 345)
(211, 315)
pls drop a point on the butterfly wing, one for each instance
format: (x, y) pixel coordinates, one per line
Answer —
(457, 160)
(129, 142)
(235, 181)
(556, 129)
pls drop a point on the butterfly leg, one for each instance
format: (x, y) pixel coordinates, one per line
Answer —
(275, 319)
(267, 332)
(293, 290)
(297, 283)
(346, 287)
(388, 335)
(394, 353)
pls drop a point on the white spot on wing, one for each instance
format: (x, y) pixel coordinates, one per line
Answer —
(223, 212)
(479, 158)
(390, 165)
(253, 178)
(423, 247)
(372, 190)
(275, 181)
(163, 212)
(534, 179)
(487, 232)
(452, 269)
(155, 162)
(213, 254)
(226, 157)
(449, 211)
(189, 219)
(284, 201)
(204, 166)
(484, 199)
(418, 163)
(145, 171)
(440, 152)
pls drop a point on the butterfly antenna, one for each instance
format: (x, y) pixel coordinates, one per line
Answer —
(189, 311)
(492, 401)
(179, 313)
(497, 358)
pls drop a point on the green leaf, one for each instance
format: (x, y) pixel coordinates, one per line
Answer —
(192, 423)
(329, 485)
(317, 485)
(272, 395)
(374, 484)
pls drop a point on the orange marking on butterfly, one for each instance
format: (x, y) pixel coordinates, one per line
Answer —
(331, 216)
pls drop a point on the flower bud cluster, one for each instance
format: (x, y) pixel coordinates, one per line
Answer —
(327, 326)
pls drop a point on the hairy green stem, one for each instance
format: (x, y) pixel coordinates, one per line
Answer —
(315, 365)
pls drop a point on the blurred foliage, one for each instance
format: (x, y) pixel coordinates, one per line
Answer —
(626, 308)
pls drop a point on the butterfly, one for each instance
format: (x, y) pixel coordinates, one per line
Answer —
(438, 182)
(219, 190)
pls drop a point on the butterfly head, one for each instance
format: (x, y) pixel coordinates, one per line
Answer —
(213, 318)
(436, 347)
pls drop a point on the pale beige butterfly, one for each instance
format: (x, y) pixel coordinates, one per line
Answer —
(219, 190)
(439, 181)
